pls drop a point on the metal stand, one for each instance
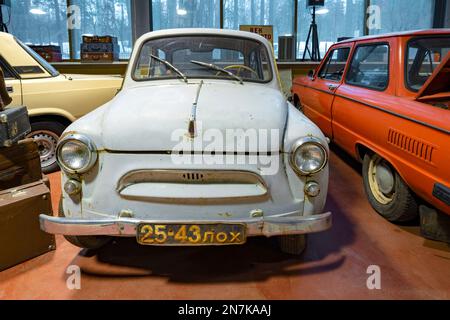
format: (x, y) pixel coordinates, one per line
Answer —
(313, 35)
(3, 27)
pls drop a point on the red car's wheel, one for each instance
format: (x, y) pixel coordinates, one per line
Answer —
(386, 191)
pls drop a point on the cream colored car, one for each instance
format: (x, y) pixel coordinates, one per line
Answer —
(54, 100)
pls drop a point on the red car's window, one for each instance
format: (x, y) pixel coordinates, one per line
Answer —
(334, 67)
(370, 67)
(423, 57)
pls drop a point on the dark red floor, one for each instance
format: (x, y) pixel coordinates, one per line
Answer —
(333, 267)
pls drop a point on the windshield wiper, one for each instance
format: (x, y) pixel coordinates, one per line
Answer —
(171, 66)
(217, 68)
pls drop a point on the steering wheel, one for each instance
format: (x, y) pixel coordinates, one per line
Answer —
(240, 67)
(357, 75)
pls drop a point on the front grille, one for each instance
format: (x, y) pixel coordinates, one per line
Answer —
(193, 177)
(190, 177)
(204, 187)
(413, 146)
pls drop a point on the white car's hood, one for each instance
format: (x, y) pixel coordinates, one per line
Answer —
(150, 118)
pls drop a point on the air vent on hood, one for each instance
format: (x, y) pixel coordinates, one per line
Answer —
(411, 145)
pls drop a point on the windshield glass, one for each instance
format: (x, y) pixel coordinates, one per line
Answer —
(248, 59)
(424, 55)
(44, 64)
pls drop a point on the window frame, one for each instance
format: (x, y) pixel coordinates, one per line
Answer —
(405, 58)
(295, 12)
(6, 66)
(139, 50)
(371, 44)
(330, 56)
(45, 66)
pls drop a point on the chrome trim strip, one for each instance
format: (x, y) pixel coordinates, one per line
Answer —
(195, 177)
(270, 226)
(395, 114)
(317, 89)
(190, 177)
(182, 152)
(381, 109)
(442, 193)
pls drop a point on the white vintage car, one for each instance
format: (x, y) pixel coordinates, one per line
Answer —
(199, 148)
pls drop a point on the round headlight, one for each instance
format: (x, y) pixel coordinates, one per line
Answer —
(308, 156)
(76, 154)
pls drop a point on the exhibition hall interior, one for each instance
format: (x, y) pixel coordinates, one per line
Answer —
(224, 150)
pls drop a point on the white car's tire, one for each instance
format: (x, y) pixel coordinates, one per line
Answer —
(84, 242)
(298, 104)
(292, 244)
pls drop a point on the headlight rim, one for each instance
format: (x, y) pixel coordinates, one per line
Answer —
(301, 142)
(80, 139)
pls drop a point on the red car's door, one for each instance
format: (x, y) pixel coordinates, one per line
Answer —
(317, 105)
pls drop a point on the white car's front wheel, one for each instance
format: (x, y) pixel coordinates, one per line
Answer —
(292, 244)
(298, 104)
(46, 134)
(84, 242)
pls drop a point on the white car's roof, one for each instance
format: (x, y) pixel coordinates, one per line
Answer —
(202, 31)
(129, 82)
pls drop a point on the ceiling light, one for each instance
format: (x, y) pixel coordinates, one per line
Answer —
(322, 11)
(37, 11)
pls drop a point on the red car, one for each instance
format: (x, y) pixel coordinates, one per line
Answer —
(385, 100)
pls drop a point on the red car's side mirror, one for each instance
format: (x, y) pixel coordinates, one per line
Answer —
(311, 74)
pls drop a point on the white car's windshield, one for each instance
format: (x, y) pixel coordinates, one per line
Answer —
(203, 57)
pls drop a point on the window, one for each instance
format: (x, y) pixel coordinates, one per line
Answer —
(6, 71)
(44, 64)
(278, 13)
(169, 14)
(334, 68)
(40, 23)
(403, 15)
(337, 19)
(423, 57)
(104, 17)
(370, 67)
(192, 56)
(447, 17)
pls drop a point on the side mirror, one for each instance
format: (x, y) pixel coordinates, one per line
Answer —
(311, 74)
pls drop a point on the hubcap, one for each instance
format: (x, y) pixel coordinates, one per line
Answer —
(385, 178)
(46, 141)
(381, 180)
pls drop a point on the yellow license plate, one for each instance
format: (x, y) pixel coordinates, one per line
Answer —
(191, 234)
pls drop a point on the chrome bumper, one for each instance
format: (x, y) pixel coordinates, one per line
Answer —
(270, 226)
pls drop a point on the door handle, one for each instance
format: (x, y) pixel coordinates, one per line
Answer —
(10, 89)
(332, 87)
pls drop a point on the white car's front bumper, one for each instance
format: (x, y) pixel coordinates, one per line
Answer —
(264, 226)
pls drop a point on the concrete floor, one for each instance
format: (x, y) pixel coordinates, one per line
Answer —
(333, 267)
